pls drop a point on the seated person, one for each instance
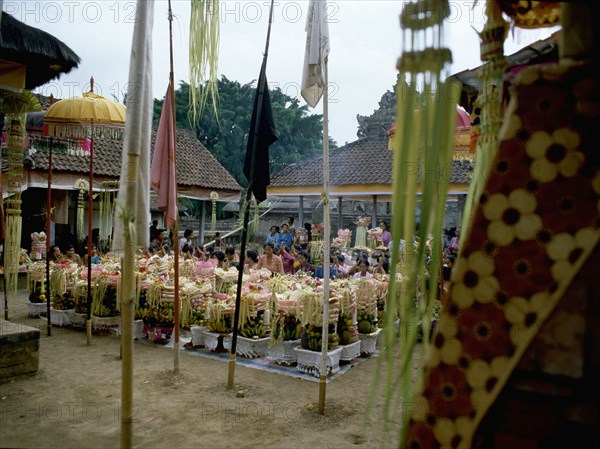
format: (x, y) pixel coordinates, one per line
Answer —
(269, 260)
(251, 260)
(304, 265)
(363, 270)
(287, 258)
(231, 258)
(72, 255)
(320, 270)
(341, 268)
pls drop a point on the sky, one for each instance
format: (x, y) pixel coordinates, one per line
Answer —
(365, 43)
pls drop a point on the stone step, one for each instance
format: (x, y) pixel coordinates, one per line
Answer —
(19, 350)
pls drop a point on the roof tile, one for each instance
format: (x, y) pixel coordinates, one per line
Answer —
(196, 166)
(365, 161)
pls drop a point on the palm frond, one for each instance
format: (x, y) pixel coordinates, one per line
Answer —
(204, 56)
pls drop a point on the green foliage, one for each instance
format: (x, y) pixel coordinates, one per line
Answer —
(226, 135)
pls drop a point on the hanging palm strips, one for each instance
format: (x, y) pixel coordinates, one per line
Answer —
(214, 196)
(80, 215)
(490, 97)
(12, 244)
(204, 55)
(424, 139)
(107, 209)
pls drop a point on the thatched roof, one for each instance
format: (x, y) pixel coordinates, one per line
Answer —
(198, 171)
(45, 56)
(357, 169)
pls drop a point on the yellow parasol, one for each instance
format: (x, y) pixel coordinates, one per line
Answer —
(84, 118)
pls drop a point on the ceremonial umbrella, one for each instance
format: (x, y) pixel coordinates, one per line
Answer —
(14, 105)
(84, 118)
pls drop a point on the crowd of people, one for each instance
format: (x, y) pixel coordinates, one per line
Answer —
(285, 250)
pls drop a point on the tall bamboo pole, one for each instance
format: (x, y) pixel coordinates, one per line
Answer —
(48, 211)
(326, 247)
(176, 224)
(134, 174)
(88, 322)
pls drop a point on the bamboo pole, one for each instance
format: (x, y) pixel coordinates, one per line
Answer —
(326, 247)
(176, 224)
(88, 321)
(137, 167)
(48, 210)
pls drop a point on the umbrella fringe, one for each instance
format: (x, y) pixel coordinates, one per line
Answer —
(78, 130)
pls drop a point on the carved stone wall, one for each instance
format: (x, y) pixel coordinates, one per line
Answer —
(378, 123)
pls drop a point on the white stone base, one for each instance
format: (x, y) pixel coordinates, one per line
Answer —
(198, 335)
(138, 329)
(211, 340)
(102, 323)
(252, 348)
(37, 309)
(283, 353)
(309, 362)
(350, 352)
(60, 317)
(77, 319)
(368, 342)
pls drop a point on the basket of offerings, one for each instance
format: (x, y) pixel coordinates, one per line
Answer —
(310, 340)
(254, 319)
(195, 299)
(366, 302)
(309, 362)
(286, 329)
(217, 337)
(105, 314)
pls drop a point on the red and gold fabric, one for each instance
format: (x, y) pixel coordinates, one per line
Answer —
(534, 227)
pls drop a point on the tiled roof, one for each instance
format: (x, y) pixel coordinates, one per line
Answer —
(196, 166)
(365, 161)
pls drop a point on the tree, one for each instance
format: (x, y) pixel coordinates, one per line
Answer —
(225, 135)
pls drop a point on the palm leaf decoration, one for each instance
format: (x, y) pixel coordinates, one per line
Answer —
(204, 56)
(424, 138)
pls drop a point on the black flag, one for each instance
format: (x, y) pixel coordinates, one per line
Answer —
(262, 134)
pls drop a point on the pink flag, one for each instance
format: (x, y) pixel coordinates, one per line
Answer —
(162, 176)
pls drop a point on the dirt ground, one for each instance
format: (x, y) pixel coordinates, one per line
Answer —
(73, 401)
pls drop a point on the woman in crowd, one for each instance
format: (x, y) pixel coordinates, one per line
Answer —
(273, 237)
(363, 270)
(382, 265)
(220, 256)
(386, 236)
(287, 258)
(304, 265)
(55, 254)
(285, 237)
(453, 247)
(320, 270)
(342, 270)
(186, 252)
(95, 256)
(251, 260)
(72, 255)
(186, 239)
(231, 260)
(269, 260)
